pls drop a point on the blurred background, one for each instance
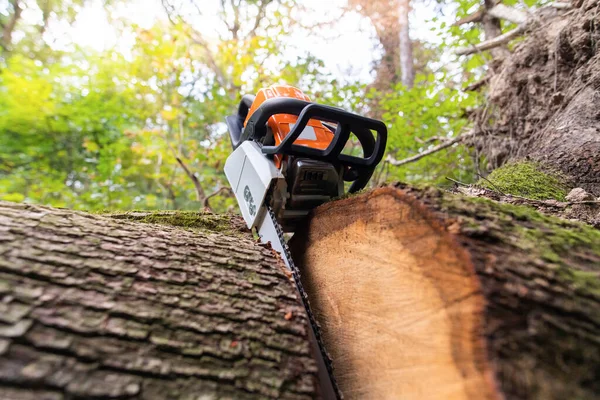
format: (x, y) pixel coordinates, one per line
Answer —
(120, 104)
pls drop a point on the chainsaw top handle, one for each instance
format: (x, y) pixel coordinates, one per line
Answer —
(347, 123)
(358, 169)
(235, 123)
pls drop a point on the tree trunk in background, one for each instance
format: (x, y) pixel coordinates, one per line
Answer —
(383, 16)
(390, 18)
(94, 307)
(9, 27)
(493, 28)
(406, 49)
(424, 294)
(543, 101)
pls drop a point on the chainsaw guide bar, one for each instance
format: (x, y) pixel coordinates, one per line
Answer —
(327, 382)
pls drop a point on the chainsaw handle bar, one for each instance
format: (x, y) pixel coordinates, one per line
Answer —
(346, 123)
(235, 123)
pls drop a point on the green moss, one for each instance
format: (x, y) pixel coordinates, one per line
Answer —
(571, 248)
(526, 179)
(348, 195)
(588, 281)
(216, 223)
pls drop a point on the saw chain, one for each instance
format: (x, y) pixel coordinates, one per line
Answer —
(329, 387)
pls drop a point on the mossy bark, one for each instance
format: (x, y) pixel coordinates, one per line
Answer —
(119, 307)
(526, 179)
(539, 280)
(543, 100)
(540, 276)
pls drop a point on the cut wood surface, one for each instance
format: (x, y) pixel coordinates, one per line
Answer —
(424, 294)
(121, 307)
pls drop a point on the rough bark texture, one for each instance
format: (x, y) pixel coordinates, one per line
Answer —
(507, 298)
(95, 307)
(544, 101)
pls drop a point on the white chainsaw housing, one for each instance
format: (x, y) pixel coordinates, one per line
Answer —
(251, 175)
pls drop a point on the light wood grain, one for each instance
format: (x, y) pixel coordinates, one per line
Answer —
(398, 301)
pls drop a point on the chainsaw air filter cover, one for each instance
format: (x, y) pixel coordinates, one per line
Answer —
(312, 183)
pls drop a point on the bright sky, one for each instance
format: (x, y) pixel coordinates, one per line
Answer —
(348, 49)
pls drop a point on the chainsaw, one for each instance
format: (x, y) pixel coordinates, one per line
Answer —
(289, 156)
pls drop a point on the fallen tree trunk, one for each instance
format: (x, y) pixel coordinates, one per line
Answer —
(424, 294)
(95, 307)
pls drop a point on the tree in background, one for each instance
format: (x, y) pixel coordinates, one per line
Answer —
(142, 130)
(141, 127)
(418, 95)
(390, 19)
(57, 10)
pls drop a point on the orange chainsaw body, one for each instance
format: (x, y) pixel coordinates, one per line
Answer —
(315, 135)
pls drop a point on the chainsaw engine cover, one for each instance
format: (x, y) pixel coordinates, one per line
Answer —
(312, 183)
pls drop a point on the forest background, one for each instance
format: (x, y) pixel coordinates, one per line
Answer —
(120, 104)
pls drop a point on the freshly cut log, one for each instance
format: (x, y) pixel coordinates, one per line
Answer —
(425, 294)
(124, 308)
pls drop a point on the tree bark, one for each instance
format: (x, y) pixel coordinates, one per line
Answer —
(98, 307)
(543, 100)
(390, 18)
(424, 294)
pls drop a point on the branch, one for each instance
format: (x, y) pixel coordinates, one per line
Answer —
(492, 43)
(169, 10)
(216, 193)
(429, 140)
(475, 17)
(493, 184)
(200, 194)
(459, 183)
(433, 150)
(236, 20)
(197, 39)
(561, 6)
(501, 11)
(477, 85)
(259, 16)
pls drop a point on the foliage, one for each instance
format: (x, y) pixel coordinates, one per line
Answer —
(104, 130)
(115, 129)
(526, 179)
(420, 118)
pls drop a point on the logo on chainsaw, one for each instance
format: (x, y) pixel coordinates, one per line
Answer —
(249, 201)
